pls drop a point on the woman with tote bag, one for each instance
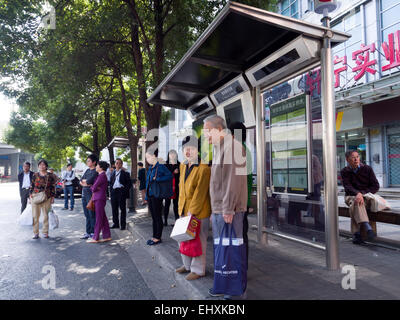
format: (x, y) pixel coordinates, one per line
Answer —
(42, 193)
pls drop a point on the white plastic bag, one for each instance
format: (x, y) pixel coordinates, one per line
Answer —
(377, 202)
(26, 217)
(53, 220)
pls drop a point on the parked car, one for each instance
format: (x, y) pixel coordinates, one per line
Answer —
(75, 183)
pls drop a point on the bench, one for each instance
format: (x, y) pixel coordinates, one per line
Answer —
(386, 216)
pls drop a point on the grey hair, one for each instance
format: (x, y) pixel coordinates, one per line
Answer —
(349, 153)
(216, 121)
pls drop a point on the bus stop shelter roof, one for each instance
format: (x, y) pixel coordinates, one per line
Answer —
(238, 38)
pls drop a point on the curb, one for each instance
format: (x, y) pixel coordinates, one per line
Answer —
(163, 259)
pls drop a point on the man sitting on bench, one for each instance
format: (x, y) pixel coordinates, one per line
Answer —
(358, 179)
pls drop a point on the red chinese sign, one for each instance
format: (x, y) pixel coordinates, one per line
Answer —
(364, 65)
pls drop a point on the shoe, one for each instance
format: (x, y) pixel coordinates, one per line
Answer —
(212, 294)
(91, 235)
(85, 236)
(153, 243)
(192, 276)
(72, 209)
(357, 239)
(92, 241)
(46, 235)
(105, 240)
(64, 209)
(114, 226)
(227, 297)
(182, 270)
(123, 228)
(370, 235)
(36, 236)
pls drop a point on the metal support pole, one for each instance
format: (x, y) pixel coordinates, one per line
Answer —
(260, 149)
(329, 152)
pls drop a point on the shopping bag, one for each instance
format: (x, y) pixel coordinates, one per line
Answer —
(377, 202)
(53, 220)
(26, 217)
(230, 272)
(192, 248)
(185, 228)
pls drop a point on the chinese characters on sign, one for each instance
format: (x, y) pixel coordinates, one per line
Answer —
(391, 50)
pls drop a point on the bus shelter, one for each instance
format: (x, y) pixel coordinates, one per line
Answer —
(275, 75)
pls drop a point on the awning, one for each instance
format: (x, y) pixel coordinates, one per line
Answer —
(238, 38)
(119, 142)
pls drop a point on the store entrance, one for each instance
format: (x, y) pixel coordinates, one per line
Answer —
(351, 140)
(394, 159)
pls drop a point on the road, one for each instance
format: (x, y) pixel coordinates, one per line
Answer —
(82, 270)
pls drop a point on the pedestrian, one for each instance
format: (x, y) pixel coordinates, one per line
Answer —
(87, 181)
(156, 175)
(99, 190)
(67, 177)
(173, 166)
(109, 172)
(238, 130)
(120, 183)
(358, 179)
(142, 182)
(25, 180)
(195, 200)
(228, 194)
(43, 186)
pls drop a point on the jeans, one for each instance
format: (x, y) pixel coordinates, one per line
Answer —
(69, 191)
(90, 215)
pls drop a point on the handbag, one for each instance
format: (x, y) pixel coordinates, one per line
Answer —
(161, 189)
(230, 271)
(40, 197)
(90, 205)
(192, 248)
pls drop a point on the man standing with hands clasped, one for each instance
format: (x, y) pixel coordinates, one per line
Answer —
(25, 179)
(228, 193)
(120, 183)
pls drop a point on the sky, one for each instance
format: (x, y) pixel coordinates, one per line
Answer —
(6, 107)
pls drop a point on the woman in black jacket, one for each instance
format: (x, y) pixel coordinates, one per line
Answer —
(173, 166)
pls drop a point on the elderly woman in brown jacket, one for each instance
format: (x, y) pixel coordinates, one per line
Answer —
(194, 199)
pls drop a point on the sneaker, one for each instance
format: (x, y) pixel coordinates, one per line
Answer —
(91, 236)
(46, 235)
(182, 270)
(72, 209)
(227, 297)
(85, 237)
(64, 209)
(212, 294)
(371, 235)
(36, 236)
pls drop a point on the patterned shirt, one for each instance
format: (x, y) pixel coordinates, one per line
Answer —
(39, 184)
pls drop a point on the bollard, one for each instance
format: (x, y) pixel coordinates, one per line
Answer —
(132, 197)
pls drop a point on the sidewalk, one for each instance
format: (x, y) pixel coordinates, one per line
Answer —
(283, 269)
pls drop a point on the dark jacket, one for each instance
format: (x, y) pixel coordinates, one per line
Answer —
(142, 178)
(363, 181)
(124, 179)
(21, 178)
(163, 174)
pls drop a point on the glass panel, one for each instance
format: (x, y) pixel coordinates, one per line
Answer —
(285, 4)
(387, 31)
(352, 20)
(293, 8)
(286, 12)
(388, 3)
(294, 206)
(391, 16)
(356, 35)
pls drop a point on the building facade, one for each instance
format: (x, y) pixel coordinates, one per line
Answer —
(367, 80)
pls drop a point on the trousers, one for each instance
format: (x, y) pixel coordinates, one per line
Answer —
(101, 221)
(155, 206)
(36, 210)
(89, 215)
(358, 213)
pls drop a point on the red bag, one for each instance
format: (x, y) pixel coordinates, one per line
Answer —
(173, 188)
(192, 248)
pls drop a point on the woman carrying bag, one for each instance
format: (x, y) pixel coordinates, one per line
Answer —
(158, 187)
(42, 193)
(194, 199)
(173, 166)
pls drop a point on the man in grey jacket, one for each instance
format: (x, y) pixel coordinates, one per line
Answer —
(228, 184)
